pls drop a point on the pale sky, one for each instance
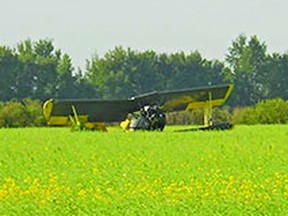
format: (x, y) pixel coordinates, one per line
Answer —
(87, 27)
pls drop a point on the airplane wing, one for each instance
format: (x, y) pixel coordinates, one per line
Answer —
(57, 111)
(187, 99)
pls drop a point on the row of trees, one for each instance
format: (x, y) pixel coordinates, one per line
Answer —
(39, 71)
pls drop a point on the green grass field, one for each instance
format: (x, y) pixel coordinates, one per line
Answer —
(52, 171)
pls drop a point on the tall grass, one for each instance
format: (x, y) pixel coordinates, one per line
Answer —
(52, 171)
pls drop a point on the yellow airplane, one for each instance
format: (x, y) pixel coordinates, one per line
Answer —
(93, 114)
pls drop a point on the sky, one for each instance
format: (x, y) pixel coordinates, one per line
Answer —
(85, 28)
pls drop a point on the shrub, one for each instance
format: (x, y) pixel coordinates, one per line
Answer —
(273, 111)
(16, 114)
(34, 112)
(194, 117)
(244, 115)
(13, 114)
(221, 115)
(1, 119)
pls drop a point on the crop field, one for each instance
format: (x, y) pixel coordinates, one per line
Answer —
(52, 171)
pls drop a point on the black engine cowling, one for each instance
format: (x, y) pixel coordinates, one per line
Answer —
(150, 118)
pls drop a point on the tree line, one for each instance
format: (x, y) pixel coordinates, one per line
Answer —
(38, 70)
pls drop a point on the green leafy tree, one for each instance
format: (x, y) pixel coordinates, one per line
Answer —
(36, 77)
(66, 83)
(247, 60)
(166, 71)
(143, 73)
(123, 73)
(9, 65)
(26, 76)
(276, 76)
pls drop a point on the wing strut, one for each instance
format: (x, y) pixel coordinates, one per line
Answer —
(81, 122)
(208, 111)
